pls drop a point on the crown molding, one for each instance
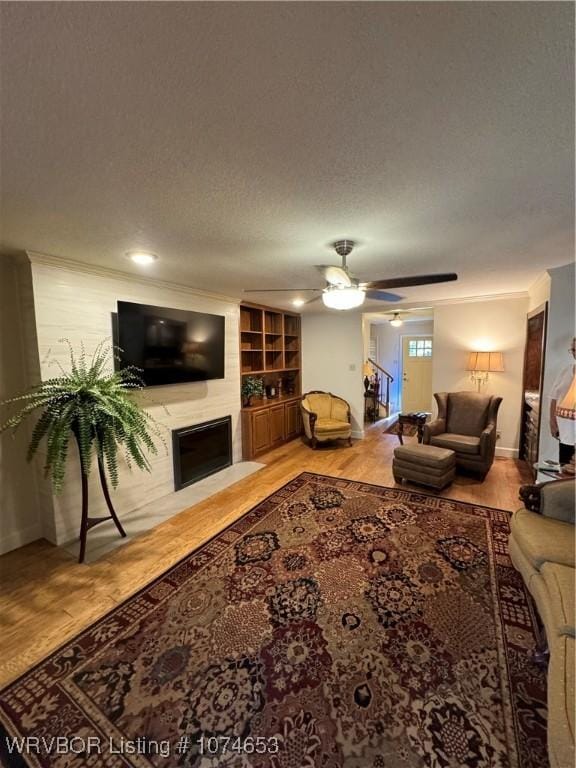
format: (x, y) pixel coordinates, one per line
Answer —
(69, 265)
(434, 303)
(485, 297)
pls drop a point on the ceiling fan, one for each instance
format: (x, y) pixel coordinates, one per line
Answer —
(343, 291)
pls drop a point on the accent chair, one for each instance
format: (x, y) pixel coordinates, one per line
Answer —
(466, 424)
(325, 417)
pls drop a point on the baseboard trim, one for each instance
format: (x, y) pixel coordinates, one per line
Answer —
(19, 538)
(358, 434)
(507, 453)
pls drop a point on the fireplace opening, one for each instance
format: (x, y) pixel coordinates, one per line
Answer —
(201, 450)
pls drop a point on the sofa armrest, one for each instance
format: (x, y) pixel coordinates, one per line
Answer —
(433, 428)
(487, 438)
(308, 420)
(557, 500)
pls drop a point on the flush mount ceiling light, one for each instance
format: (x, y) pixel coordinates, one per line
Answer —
(396, 321)
(142, 258)
(343, 297)
(298, 302)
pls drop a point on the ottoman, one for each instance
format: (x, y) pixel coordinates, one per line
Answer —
(424, 464)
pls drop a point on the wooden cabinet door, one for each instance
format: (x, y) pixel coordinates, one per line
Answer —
(261, 431)
(293, 420)
(277, 424)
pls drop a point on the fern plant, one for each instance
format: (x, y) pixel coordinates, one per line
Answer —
(96, 407)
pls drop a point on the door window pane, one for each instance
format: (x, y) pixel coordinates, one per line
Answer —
(420, 348)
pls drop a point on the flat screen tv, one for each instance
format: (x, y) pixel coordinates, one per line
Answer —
(170, 346)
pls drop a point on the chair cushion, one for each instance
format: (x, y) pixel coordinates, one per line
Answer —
(320, 404)
(425, 455)
(559, 580)
(467, 413)
(339, 410)
(542, 539)
(459, 443)
(331, 425)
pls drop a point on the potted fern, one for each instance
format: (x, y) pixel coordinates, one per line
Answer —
(96, 408)
(251, 387)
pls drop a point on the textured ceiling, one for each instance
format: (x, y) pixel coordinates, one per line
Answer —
(237, 140)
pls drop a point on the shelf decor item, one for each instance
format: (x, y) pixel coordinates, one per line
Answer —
(251, 387)
(98, 409)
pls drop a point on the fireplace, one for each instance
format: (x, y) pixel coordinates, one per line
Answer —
(201, 450)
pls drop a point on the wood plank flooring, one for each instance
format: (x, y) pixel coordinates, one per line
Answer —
(46, 597)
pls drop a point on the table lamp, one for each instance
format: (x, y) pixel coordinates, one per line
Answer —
(566, 409)
(367, 371)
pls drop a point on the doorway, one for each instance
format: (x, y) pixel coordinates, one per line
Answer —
(416, 373)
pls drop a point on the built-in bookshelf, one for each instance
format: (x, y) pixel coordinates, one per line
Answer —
(270, 350)
(270, 346)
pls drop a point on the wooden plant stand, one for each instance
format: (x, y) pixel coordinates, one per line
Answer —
(87, 522)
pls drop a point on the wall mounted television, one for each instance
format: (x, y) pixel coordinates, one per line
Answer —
(170, 346)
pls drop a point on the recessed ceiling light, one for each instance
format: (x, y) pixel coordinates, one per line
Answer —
(143, 258)
(298, 302)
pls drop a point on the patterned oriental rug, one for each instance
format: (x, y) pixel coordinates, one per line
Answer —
(408, 431)
(336, 624)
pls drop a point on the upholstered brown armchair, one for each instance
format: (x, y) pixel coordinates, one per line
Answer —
(466, 423)
(325, 417)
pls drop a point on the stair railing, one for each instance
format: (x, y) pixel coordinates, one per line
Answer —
(388, 380)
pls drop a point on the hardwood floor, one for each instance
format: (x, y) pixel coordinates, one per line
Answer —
(46, 597)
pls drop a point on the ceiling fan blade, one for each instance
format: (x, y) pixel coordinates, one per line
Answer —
(405, 282)
(278, 290)
(311, 301)
(334, 275)
(383, 296)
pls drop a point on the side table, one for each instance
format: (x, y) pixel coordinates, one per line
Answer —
(417, 418)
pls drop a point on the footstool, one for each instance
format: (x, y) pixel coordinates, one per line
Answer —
(424, 464)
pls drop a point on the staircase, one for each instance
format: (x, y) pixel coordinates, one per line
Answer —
(378, 394)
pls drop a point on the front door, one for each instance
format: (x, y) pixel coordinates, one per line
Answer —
(416, 373)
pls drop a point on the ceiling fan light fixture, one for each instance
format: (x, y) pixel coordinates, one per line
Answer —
(343, 297)
(396, 322)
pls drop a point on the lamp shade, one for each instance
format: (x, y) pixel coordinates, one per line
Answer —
(343, 297)
(367, 370)
(485, 361)
(566, 409)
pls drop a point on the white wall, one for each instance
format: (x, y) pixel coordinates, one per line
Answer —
(390, 351)
(78, 304)
(19, 501)
(498, 324)
(332, 357)
(539, 292)
(561, 322)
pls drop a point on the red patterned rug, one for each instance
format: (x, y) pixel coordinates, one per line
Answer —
(337, 624)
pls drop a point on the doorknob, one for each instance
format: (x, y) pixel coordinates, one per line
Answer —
(404, 378)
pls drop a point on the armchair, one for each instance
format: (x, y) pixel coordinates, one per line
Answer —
(325, 417)
(466, 424)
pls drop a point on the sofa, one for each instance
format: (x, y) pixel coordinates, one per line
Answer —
(541, 547)
(325, 417)
(465, 424)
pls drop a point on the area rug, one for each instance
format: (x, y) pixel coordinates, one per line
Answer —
(408, 431)
(336, 624)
